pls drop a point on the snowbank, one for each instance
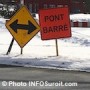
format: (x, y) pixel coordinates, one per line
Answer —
(74, 52)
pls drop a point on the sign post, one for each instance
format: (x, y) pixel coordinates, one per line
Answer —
(55, 24)
(21, 50)
(56, 41)
(10, 47)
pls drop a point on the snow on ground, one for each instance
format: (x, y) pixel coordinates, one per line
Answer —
(74, 52)
(80, 17)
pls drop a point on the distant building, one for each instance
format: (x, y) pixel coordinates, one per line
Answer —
(35, 5)
(78, 6)
(75, 6)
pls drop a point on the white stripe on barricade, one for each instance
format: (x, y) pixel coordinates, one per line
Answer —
(80, 24)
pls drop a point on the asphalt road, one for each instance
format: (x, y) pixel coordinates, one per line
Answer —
(20, 78)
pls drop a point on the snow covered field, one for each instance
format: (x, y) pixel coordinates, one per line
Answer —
(74, 52)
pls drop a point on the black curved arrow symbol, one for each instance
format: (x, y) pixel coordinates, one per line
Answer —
(30, 27)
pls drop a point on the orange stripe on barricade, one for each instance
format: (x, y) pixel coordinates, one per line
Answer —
(80, 24)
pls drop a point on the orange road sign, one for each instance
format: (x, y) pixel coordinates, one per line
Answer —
(55, 23)
(22, 26)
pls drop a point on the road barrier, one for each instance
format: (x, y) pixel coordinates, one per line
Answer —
(80, 24)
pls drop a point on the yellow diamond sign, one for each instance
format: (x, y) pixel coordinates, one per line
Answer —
(22, 26)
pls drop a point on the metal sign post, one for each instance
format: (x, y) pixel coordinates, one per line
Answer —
(21, 2)
(10, 47)
(21, 50)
